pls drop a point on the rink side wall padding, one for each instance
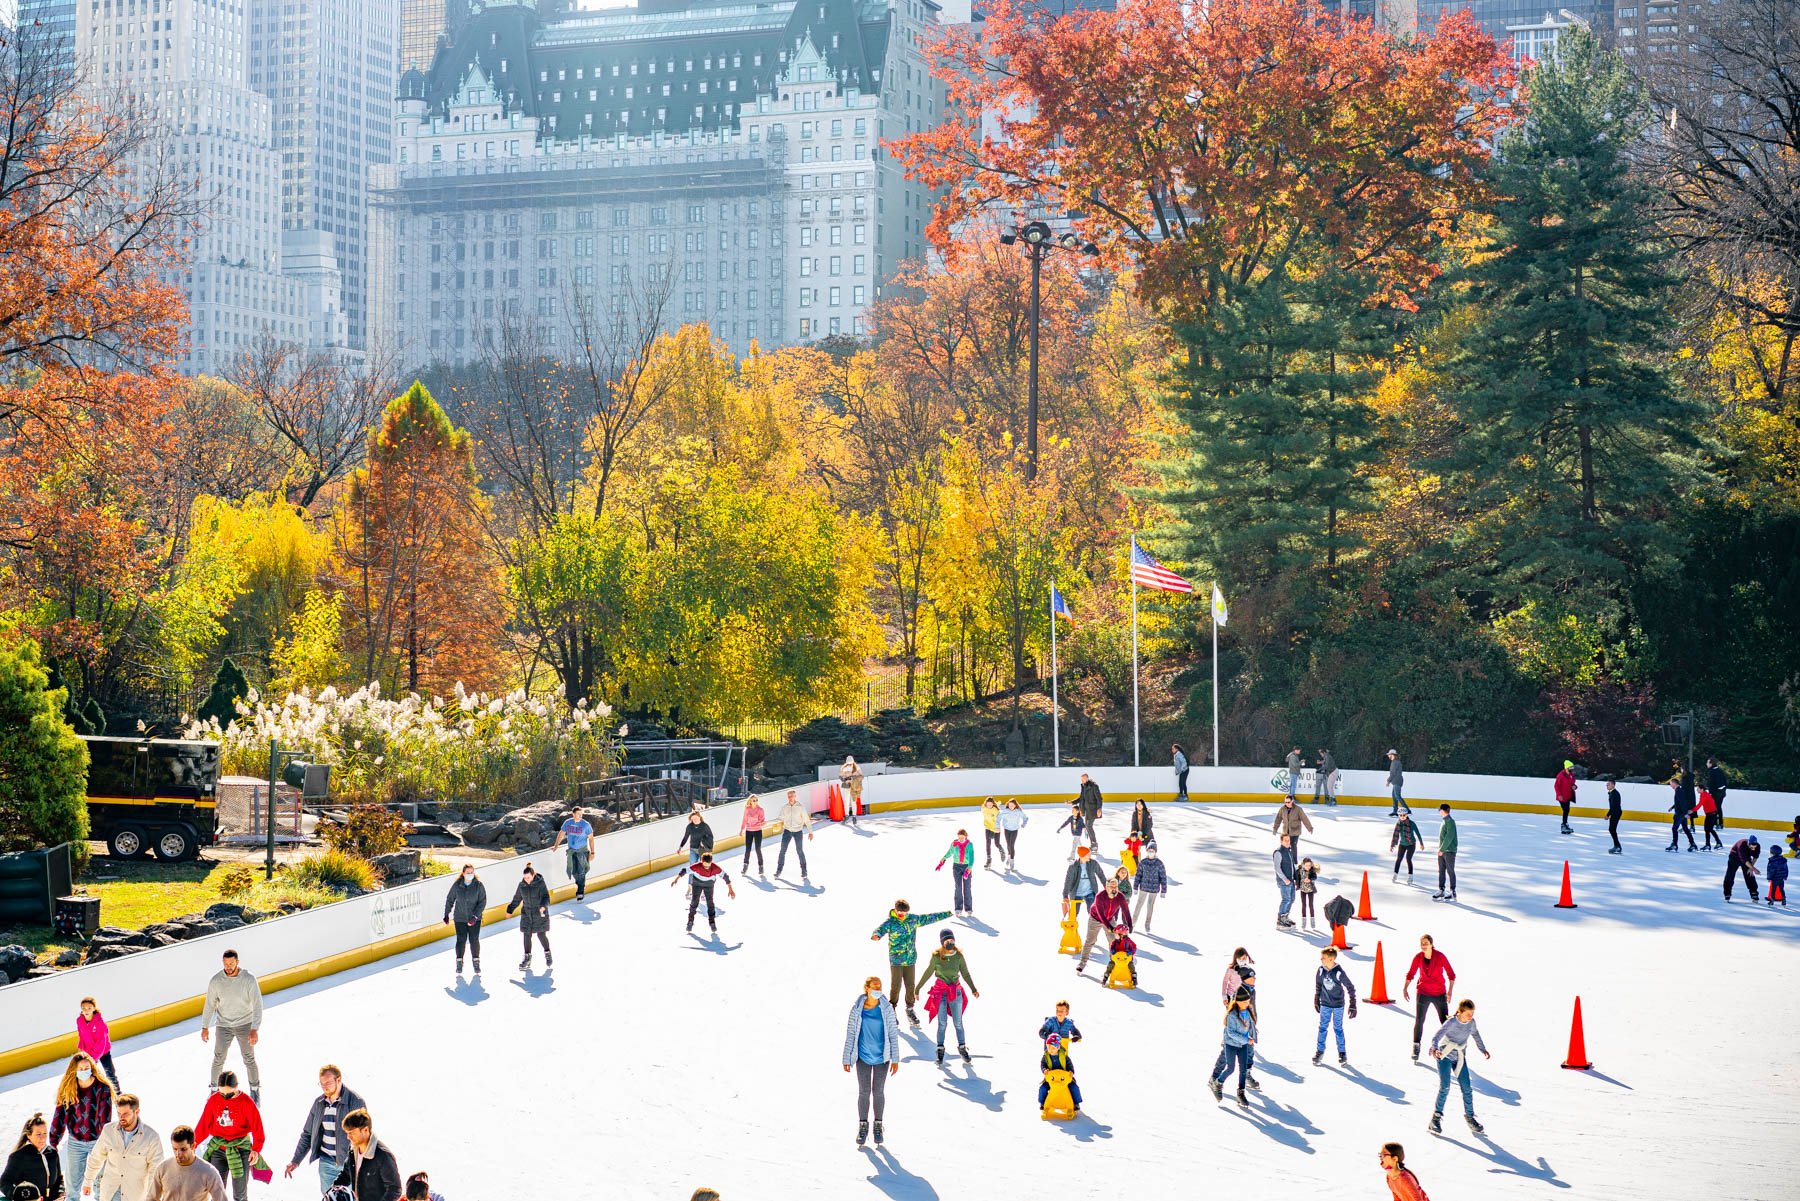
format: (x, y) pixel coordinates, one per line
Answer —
(152, 990)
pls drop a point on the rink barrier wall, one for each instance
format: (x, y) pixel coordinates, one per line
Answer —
(296, 949)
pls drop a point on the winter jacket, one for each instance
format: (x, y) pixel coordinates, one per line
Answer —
(1089, 800)
(232, 1001)
(1063, 1028)
(1715, 781)
(1395, 776)
(1296, 762)
(1072, 877)
(1075, 824)
(312, 1135)
(1143, 825)
(1284, 865)
(28, 1165)
(93, 1037)
(1290, 820)
(1152, 876)
(704, 875)
(990, 819)
(83, 1118)
(1565, 786)
(1706, 806)
(1406, 835)
(851, 778)
(1435, 974)
(960, 854)
(531, 900)
(1778, 868)
(121, 1164)
(1684, 793)
(1746, 854)
(227, 1118)
(1447, 836)
(754, 818)
(1240, 1027)
(696, 836)
(1181, 762)
(794, 818)
(465, 903)
(1327, 765)
(1333, 988)
(1110, 910)
(1238, 977)
(1614, 803)
(890, 1027)
(1013, 819)
(1405, 1186)
(1307, 878)
(375, 1176)
(902, 934)
(950, 967)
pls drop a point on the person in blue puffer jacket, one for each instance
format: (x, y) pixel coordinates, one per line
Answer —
(1778, 874)
(1152, 882)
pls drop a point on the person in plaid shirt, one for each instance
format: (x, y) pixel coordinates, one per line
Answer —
(84, 1105)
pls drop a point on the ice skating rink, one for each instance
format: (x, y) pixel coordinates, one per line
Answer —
(649, 1062)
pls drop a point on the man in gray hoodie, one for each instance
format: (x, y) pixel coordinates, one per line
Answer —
(234, 1005)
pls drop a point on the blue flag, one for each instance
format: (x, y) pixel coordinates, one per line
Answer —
(1058, 606)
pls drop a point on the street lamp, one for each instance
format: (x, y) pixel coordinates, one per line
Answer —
(1038, 242)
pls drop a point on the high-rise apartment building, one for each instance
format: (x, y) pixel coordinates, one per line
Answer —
(327, 68)
(1650, 29)
(730, 154)
(1498, 17)
(422, 24)
(54, 32)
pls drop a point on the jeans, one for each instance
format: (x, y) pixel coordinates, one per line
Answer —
(1332, 1016)
(222, 1037)
(753, 842)
(1404, 853)
(903, 973)
(1144, 906)
(871, 1085)
(951, 1010)
(1287, 896)
(963, 885)
(1447, 870)
(1181, 785)
(693, 856)
(578, 868)
(75, 1157)
(1399, 803)
(1424, 1002)
(1465, 1077)
(329, 1170)
(468, 935)
(240, 1186)
(798, 838)
(694, 895)
(1238, 1055)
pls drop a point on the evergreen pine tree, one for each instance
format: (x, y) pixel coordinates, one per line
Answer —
(93, 717)
(43, 765)
(228, 687)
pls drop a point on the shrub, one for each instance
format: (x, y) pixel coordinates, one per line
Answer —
(368, 831)
(431, 865)
(335, 870)
(285, 890)
(236, 882)
(43, 766)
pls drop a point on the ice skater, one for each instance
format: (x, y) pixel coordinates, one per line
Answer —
(850, 778)
(872, 1050)
(84, 1105)
(1400, 1181)
(750, 825)
(464, 905)
(1105, 913)
(1240, 1043)
(1446, 856)
(580, 836)
(1563, 789)
(1152, 882)
(1615, 809)
(696, 836)
(1241, 974)
(234, 1005)
(1128, 858)
(322, 1137)
(531, 901)
(1143, 823)
(1284, 880)
(1121, 944)
(1682, 806)
(703, 876)
(1435, 974)
(1450, 1047)
(1332, 991)
(1743, 857)
(1179, 758)
(1718, 785)
(1396, 778)
(1083, 880)
(1062, 1025)
(1090, 803)
(1076, 825)
(1056, 1058)
(1709, 821)
(1290, 819)
(1307, 879)
(94, 1037)
(901, 929)
(1406, 838)
(990, 832)
(961, 857)
(1778, 874)
(796, 827)
(1296, 763)
(124, 1158)
(1325, 783)
(946, 1001)
(1012, 820)
(232, 1126)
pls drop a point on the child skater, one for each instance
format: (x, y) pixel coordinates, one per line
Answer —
(93, 1037)
(1121, 941)
(1308, 879)
(1240, 1040)
(1777, 874)
(1056, 1059)
(1076, 825)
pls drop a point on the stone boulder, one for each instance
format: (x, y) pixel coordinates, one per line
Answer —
(199, 927)
(112, 950)
(68, 958)
(397, 868)
(485, 834)
(176, 930)
(252, 916)
(163, 940)
(15, 962)
(225, 922)
(224, 909)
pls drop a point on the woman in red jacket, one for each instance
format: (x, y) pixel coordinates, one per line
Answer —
(234, 1124)
(1435, 974)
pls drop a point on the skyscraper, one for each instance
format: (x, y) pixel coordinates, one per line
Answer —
(327, 67)
(55, 21)
(422, 23)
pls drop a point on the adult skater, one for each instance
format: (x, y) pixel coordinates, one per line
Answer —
(1615, 809)
(1012, 820)
(1284, 880)
(371, 1173)
(1400, 1181)
(1717, 783)
(1396, 779)
(579, 835)
(1143, 824)
(33, 1163)
(872, 1049)
(231, 1124)
(1446, 856)
(322, 1137)
(961, 857)
(901, 929)
(1450, 1047)
(1709, 821)
(850, 778)
(1290, 819)
(464, 905)
(1179, 758)
(124, 1157)
(750, 825)
(704, 875)
(696, 836)
(1090, 802)
(945, 1001)
(1083, 881)
(531, 901)
(1152, 882)
(1743, 856)
(1240, 1043)
(1332, 991)
(184, 1176)
(1435, 974)
(1406, 838)
(1564, 791)
(1296, 763)
(234, 1005)
(1325, 784)
(84, 1105)
(990, 831)
(1682, 807)
(1076, 825)
(796, 827)
(94, 1036)
(1106, 912)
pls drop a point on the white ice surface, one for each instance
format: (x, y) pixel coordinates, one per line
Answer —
(649, 1062)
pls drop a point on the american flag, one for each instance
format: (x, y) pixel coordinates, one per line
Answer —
(1148, 573)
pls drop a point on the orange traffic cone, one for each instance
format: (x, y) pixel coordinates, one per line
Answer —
(1567, 900)
(836, 795)
(1577, 1060)
(1337, 938)
(1378, 993)
(1363, 912)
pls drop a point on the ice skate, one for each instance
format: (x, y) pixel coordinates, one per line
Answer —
(1343, 1060)
(1317, 1055)
(1218, 1090)
(940, 1057)
(912, 1017)
(547, 960)
(862, 1133)
(963, 1050)
(878, 1134)
(1436, 1125)
(1474, 1126)
(1243, 1101)
(525, 964)
(1253, 1082)
(1415, 1052)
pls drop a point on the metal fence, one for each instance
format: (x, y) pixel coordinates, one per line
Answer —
(243, 813)
(663, 777)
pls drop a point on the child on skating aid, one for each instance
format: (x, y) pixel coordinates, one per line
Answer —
(1121, 941)
(1308, 880)
(1134, 849)
(1777, 876)
(1056, 1059)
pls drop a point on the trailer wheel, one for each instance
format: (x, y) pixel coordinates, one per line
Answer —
(175, 843)
(127, 842)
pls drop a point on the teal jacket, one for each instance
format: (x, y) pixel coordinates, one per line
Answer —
(959, 855)
(1447, 837)
(903, 932)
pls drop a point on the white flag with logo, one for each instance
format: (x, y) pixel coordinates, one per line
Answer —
(1218, 606)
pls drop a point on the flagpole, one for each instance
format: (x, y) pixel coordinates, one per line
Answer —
(1134, 664)
(1055, 708)
(1212, 606)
